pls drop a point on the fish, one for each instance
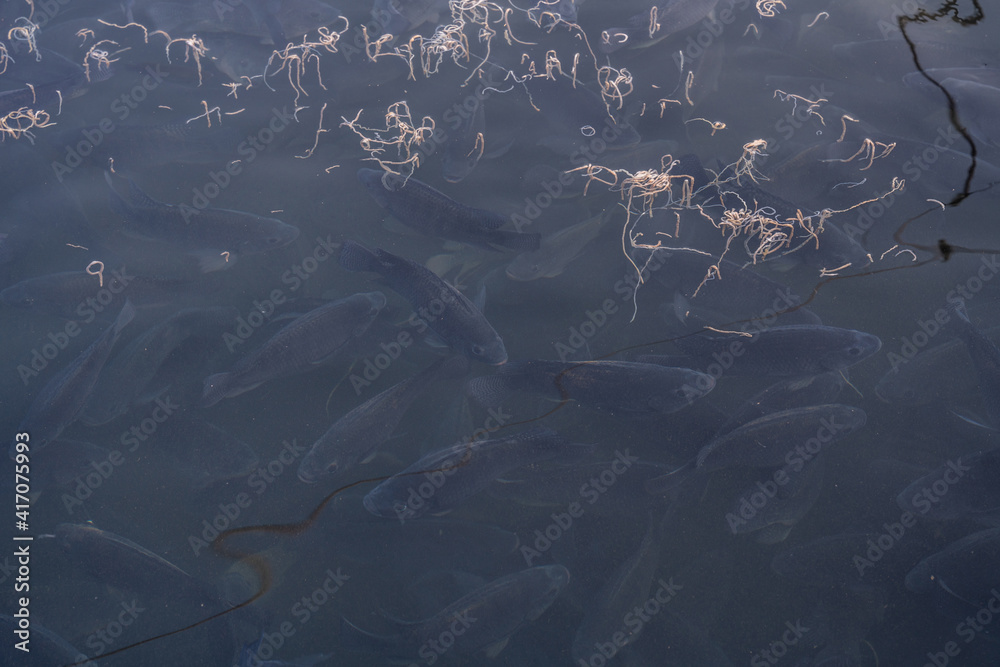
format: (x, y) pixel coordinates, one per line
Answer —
(84, 296)
(215, 236)
(608, 385)
(487, 616)
(962, 570)
(59, 403)
(827, 247)
(301, 345)
(611, 615)
(356, 435)
(785, 394)
(934, 374)
(966, 487)
(985, 357)
(781, 351)
(557, 251)
(787, 497)
(204, 453)
(720, 293)
(439, 306)
(134, 147)
(790, 437)
(46, 647)
(127, 375)
(431, 212)
(443, 479)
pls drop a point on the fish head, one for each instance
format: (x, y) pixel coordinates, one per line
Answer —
(313, 468)
(857, 346)
(898, 387)
(271, 234)
(552, 579)
(490, 352)
(526, 267)
(689, 386)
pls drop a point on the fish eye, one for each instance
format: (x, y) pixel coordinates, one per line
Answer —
(478, 350)
(854, 351)
(272, 240)
(332, 468)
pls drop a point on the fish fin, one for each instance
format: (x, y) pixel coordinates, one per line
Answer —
(356, 639)
(500, 151)
(356, 257)
(682, 307)
(125, 316)
(494, 649)
(435, 341)
(215, 389)
(480, 300)
(670, 483)
(972, 418)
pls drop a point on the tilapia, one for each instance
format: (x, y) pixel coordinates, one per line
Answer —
(429, 211)
(357, 434)
(61, 400)
(441, 480)
(299, 346)
(438, 305)
(216, 236)
(610, 385)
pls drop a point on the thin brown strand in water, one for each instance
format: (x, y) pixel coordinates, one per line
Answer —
(948, 8)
